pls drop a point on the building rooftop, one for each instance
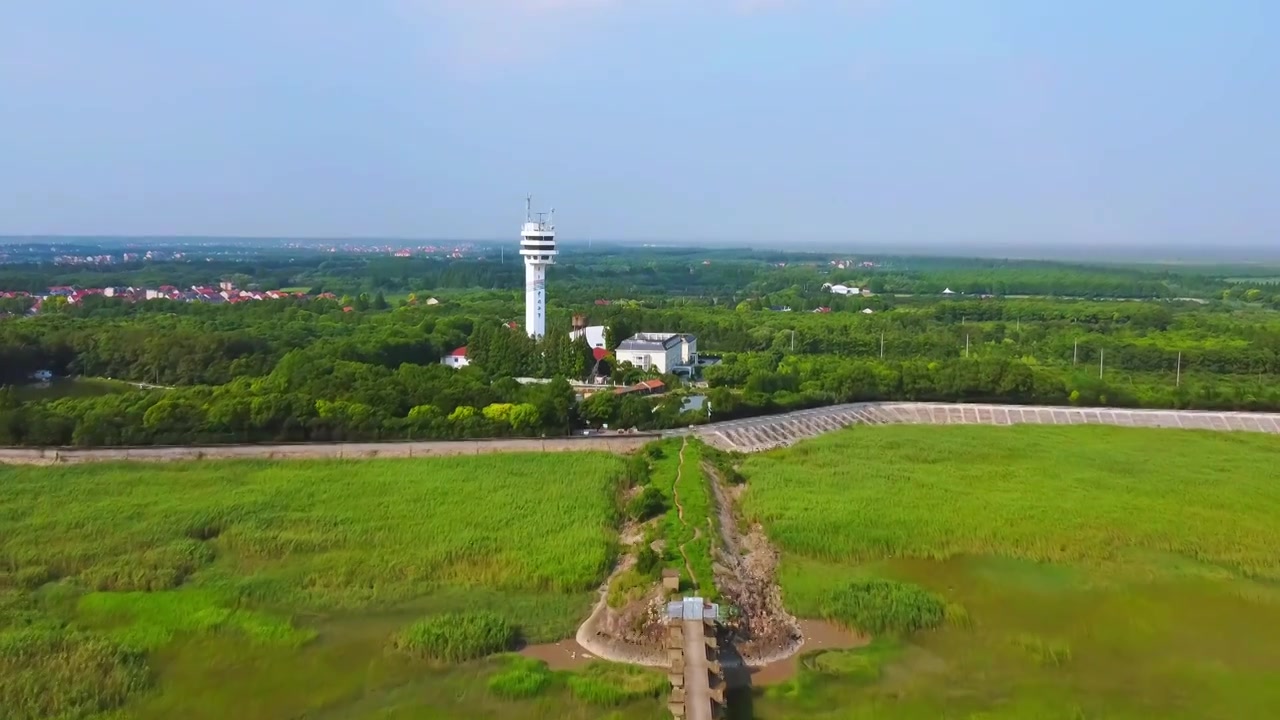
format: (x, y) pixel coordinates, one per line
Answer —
(654, 341)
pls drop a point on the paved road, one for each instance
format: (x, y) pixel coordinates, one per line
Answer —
(697, 688)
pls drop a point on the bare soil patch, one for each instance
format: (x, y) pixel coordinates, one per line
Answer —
(746, 567)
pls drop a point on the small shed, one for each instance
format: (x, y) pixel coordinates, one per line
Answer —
(671, 579)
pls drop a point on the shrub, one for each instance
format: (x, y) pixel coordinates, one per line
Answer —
(648, 562)
(649, 503)
(636, 471)
(884, 606)
(628, 586)
(606, 684)
(54, 673)
(456, 637)
(523, 678)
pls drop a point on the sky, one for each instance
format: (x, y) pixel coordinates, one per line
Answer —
(928, 123)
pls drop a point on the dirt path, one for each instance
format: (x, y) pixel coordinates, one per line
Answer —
(675, 496)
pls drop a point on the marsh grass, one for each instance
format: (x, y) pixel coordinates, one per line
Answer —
(145, 621)
(884, 607)
(521, 679)
(1085, 572)
(1078, 495)
(456, 637)
(606, 684)
(1046, 652)
(121, 564)
(49, 672)
(320, 535)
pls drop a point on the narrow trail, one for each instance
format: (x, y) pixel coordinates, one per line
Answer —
(675, 496)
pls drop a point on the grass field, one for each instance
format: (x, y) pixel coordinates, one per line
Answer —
(269, 590)
(1087, 572)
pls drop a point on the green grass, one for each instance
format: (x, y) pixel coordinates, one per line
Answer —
(1070, 495)
(522, 679)
(265, 590)
(48, 673)
(456, 637)
(606, 684)
(695, 496)
(1085, 572)
(884, 607)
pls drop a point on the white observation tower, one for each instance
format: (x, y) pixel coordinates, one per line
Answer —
(538, 248)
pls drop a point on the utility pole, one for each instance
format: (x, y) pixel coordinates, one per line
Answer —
(1101, 354)
(966, 344)
(793, 341)
(1075, 353)
(881, 344)
(1178, 381)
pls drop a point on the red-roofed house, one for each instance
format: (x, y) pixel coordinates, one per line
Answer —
(456, 359)
(647, 387)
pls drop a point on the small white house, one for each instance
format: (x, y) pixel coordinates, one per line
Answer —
(456, 359)
(659, 351)
(841, 289)
(948, 291)
(867, 311)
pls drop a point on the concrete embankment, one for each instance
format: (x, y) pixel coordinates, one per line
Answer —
(322, 451)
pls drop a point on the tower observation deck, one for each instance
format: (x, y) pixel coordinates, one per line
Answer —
(538, 248)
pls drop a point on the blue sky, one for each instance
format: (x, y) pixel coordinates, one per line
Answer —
(774, 122)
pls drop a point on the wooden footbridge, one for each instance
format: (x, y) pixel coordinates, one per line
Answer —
(697, 685)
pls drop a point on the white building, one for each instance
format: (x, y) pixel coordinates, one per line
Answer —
(538, 248)
(659, 351)
(593, 333)
(456, 359)
(841, 289)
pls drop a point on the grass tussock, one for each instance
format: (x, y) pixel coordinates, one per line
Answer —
(606, 684)
(1045, 652)
(456, 637)
(884, 606)
(628, 586)
(521, 679)
(56, 673)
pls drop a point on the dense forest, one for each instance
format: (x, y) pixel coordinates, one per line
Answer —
(322, 369)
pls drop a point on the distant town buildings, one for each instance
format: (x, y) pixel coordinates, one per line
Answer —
(225, 293)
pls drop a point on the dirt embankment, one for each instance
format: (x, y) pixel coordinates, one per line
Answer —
(762, 631)
(631, 634)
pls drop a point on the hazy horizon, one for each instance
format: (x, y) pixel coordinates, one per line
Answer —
(993, 126)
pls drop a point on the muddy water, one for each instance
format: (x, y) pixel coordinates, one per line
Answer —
(818, 635)
(563, 655)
